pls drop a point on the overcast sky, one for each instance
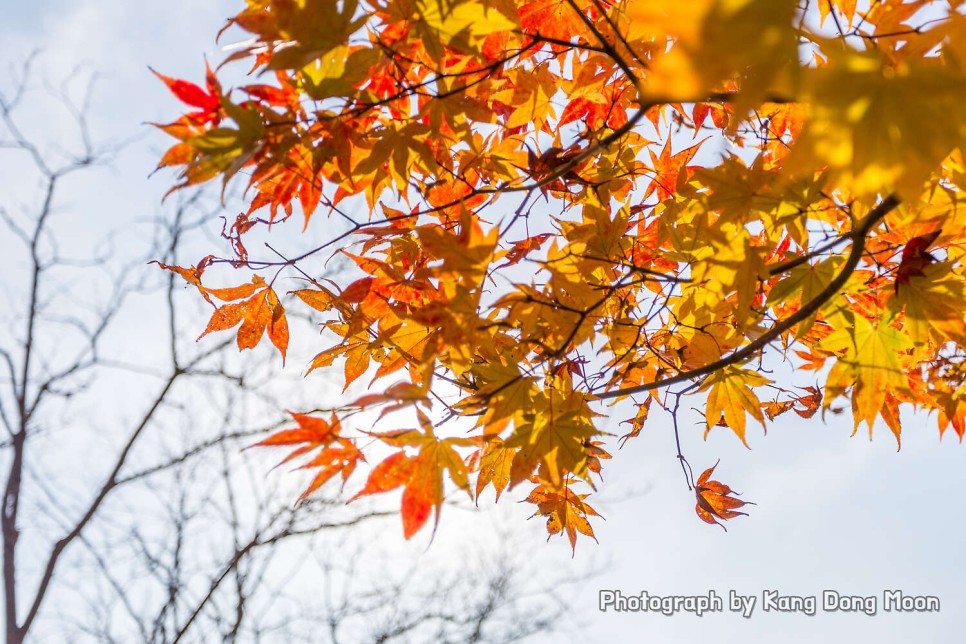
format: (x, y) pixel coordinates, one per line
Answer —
(833, 511)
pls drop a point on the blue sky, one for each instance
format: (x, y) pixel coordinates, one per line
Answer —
(833, 511)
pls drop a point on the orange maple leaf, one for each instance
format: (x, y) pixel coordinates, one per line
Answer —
(593, 112)
(637, 423)
(338, 455)
(313, 432)
(809, 403)
(669, 169)
(565, 510)
(700, 112)
(521, 248)
(845, 7)
(715, 500)
(493, 462)
(259, 313)
(551, 18)
(421, 474)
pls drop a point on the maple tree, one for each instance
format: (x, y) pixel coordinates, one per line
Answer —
(549, 207)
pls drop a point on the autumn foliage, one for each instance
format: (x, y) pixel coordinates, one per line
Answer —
(543, 207)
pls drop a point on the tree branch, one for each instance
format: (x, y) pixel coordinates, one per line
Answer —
(858, 236)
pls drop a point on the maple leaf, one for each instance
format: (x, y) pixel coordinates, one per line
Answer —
(870, 360)
(455, 18)
(669, 170)
(192, 275)
(523, 247)
(859, 128)
(890, 17)
(209, 101)
(805, 406)
(257, 314)
(594, 455)
(493, 463)
(845, 7)
(915, 258)
(594, 112)
(555, 441)
(776, 408)
(421, 474)
(566, 511)
(551, 18)
(549, 161)
(952, 404)
(637, 424)
(785, 123)
(314, 432)
(932, 304)
(731, 396)
(336, 455)
(715, 500)
(809, 405)
(341, 459)
(700, 112)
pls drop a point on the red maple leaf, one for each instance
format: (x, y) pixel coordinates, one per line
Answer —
(915, 258)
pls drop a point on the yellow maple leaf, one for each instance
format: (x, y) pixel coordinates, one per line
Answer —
(933, 306)
(869, 361)
(880, 127)
(731, 395)
(453, 18)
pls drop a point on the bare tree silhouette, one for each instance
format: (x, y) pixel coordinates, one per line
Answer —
(130, 511)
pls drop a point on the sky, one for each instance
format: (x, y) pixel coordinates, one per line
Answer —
(833, 511)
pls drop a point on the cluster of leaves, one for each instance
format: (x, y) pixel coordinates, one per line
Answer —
(689, 192)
